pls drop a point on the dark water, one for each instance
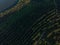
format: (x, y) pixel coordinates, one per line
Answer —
(4, 4)
(58, 5)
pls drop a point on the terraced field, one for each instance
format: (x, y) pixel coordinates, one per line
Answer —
(31, 22)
